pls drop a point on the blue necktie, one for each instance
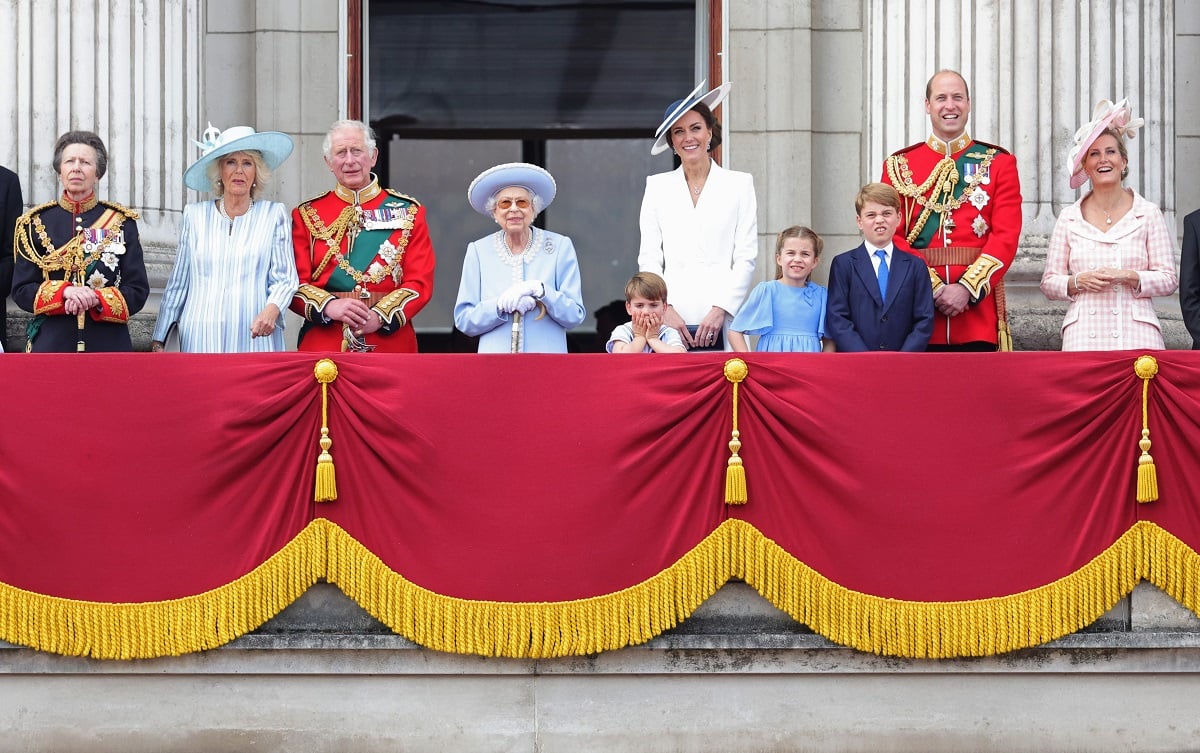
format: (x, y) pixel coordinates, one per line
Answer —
(883, 273)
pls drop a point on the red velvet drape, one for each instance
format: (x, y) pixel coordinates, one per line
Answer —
(928, 477)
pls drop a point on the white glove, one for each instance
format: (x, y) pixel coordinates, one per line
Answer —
(508, 300)
(525, 304)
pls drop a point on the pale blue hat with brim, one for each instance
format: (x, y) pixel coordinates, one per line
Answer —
(521, 174)
(275, 147)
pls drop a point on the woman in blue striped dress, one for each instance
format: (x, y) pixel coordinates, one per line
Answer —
(235, 271)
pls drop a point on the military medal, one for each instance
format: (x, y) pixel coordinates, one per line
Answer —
(980, 226)
(979, 198)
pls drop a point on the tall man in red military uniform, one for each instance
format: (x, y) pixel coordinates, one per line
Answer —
(961, 212)
(363, 254)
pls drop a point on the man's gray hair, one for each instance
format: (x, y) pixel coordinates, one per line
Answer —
(367, 133)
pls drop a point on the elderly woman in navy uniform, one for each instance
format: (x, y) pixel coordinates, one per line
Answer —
(78, 266)
(520, 289)
(699, 224)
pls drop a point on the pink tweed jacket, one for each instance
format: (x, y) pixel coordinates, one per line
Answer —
(1121, 318)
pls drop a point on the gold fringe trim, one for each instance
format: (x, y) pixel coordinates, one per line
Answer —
(1146, 367)
(326, 483)
(937, 630)
(151, 629)
(536, 629)
(1171, 565)
(735, 472)
(927, 630)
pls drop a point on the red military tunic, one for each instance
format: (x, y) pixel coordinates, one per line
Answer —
(373, 245)
(962, 214)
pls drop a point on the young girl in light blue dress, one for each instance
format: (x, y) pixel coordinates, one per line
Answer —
(787, 314)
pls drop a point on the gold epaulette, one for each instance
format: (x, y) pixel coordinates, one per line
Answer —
(978, 276)
(40, 207)
(404, 196)
(318, 196)
(986, 145)
(391, 307)
(908, 148)
(130, 213)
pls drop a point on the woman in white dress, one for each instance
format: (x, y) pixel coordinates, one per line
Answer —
(699, 225)
(235, 271)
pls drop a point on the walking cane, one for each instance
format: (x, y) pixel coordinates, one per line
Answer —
(514, 345)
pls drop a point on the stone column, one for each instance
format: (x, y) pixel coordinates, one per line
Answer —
(121, 68)
(770, 113)
(1036, 71)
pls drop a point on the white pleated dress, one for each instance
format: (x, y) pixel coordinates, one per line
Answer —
(224, 276)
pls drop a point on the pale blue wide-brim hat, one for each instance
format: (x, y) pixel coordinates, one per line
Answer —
(662, 136)
(522, 174)
(275, 147)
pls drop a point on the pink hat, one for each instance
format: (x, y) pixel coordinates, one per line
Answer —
(1117, 116)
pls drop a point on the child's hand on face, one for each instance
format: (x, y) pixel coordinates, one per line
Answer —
(653, 322)
(641, 324)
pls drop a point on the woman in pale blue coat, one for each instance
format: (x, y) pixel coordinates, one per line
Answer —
(235, 271)
(520, 289)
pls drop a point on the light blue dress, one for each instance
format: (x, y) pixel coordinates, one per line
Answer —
(785, 318)
(489, 269)
(225, 275)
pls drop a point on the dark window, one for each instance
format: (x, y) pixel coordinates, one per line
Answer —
(577, 87)
(536, 69)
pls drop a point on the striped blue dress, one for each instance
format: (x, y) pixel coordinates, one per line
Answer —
(225, 275)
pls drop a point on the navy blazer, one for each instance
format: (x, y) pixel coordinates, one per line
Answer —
(858, 319)
(11, 208)
(1189, 276)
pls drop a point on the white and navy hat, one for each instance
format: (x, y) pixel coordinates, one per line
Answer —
(274, 147)
(522, 174)
(662, 140)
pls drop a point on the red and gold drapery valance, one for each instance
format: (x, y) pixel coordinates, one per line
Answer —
(924, 505)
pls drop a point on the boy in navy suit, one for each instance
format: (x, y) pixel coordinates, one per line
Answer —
(880, 297)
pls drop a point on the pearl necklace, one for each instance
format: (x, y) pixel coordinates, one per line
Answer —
(516, 261)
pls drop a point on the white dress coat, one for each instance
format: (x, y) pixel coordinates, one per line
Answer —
(706, 253)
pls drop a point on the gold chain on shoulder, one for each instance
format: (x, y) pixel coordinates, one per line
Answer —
(939, 185)
(70, 258)
(332, 235)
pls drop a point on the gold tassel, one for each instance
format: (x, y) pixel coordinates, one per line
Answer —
(326, 487)
(1004, 338)
(1146, 367)
(735, 473)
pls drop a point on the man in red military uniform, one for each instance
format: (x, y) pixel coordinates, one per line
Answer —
(961, 212)
(363, 255)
